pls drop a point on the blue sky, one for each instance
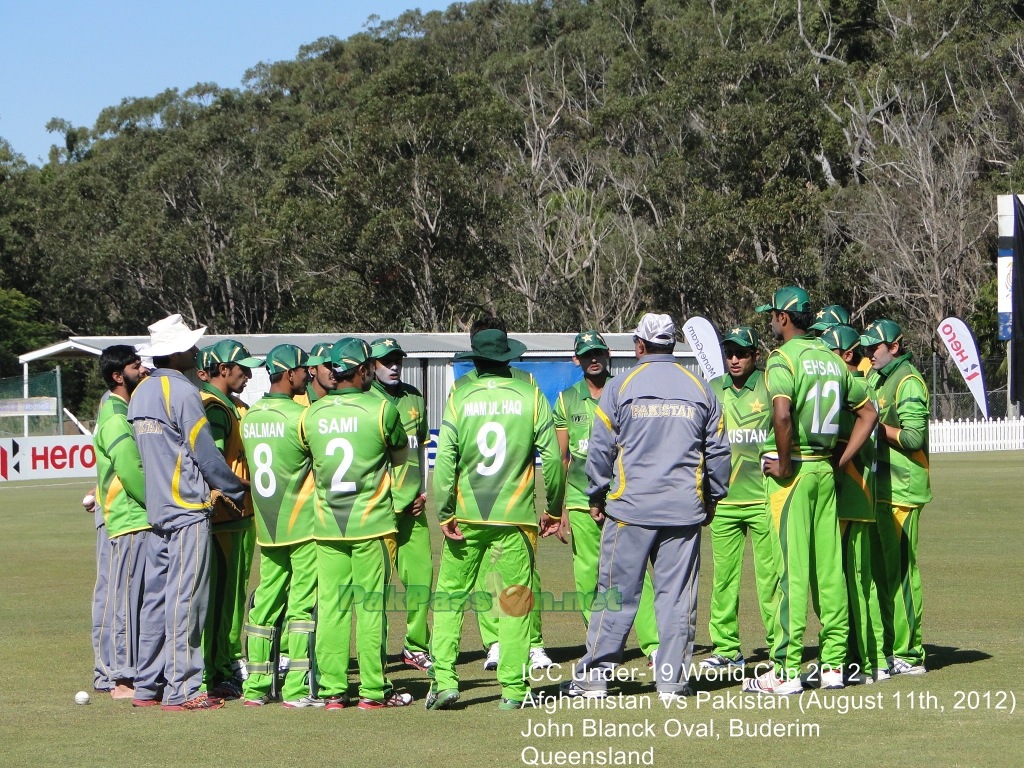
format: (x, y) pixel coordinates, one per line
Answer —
(71, 59)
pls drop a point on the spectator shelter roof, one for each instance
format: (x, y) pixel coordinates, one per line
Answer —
(419, 345)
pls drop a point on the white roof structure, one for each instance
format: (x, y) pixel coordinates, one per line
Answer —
(419, 345)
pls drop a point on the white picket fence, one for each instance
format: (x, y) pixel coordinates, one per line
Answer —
(967, 435)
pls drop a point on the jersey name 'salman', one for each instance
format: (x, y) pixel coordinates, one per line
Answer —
(256, 431)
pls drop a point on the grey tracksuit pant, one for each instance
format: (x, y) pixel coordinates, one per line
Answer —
(625, 550)
(120, 626)
(103, 652)
(174, 608)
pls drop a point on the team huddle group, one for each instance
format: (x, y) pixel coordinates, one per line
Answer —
(821, 459)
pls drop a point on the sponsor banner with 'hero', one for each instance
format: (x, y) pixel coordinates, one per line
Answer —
(43, 458)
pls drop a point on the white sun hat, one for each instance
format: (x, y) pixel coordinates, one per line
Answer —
(170, 335)
(656, 329)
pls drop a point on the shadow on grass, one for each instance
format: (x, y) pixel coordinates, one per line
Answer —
(940, 656)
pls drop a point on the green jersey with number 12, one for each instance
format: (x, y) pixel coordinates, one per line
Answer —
(484, 470)
(280, 471)
(354, 437)
(818, 386)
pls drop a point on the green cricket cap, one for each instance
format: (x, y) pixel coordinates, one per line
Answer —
(348, 353)
(285, 357)
(742, 335)
(203, 359)
(587, 341)
(789, 299)
(231, 351)
(840, 337)
(881, 331)
(384, 347)
(494, 345)
(319, 354)
(828, 316)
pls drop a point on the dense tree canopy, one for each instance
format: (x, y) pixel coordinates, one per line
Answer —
(563, 163)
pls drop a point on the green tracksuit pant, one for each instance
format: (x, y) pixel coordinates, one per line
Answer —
(865, 646)
(729, 532)
(586, 549)
(230, 561)
(489, 581)
(415, 568)
(461, 565)
(803, 512)
(353, 575)
(288, 585)
(897, 530)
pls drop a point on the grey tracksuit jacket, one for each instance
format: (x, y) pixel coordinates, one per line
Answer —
(658, 449)
(179, 457)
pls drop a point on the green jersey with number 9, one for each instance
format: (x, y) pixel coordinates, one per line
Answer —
(484, 470)
(818, 386)
(279, 470)
(354, 438)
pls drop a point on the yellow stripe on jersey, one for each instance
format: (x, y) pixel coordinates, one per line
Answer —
(634, 373)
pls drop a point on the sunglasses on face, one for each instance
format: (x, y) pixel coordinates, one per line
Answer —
(742, 353)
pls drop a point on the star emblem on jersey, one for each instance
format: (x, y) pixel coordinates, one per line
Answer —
(881, 402)
(413, 413)
(757, 406)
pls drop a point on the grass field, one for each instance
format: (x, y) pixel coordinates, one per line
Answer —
(973, 572)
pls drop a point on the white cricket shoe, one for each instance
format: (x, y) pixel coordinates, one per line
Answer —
(898, 666)
(491, 662)
(769, 682)
(832, 680)
(539, 659)
(881, 675)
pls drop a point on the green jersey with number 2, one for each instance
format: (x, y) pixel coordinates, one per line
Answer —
(818, 386)
(354, 438)
(484, 470)
(280, 471)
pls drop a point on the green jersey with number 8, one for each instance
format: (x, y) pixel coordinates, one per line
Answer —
(279, 470)
(484, 470)
(354, 438)
(818, 386)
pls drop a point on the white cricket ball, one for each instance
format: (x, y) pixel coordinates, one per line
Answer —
(81, 697)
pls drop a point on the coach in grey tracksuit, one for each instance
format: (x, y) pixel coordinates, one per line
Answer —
(182, 466)
(658, 462)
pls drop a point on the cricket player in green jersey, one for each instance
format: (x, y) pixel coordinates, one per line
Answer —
(862, 556)
(415, 565)
(321, 375)
(488, 620)
(808, 386)
(745, 404)
(355, 439)
(574, 418)
(121, 495)
(283, 494)
(903, 488)
(229, 368)
(484, 492)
